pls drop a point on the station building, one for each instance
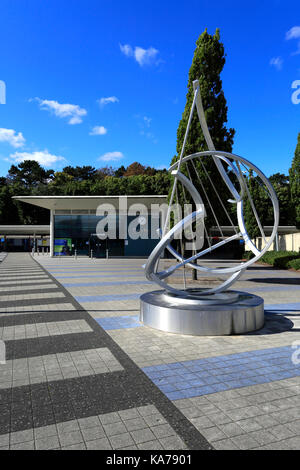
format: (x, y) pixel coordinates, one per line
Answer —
(75, 223)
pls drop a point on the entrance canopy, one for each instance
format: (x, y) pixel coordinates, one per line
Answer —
(87, 202)
(74, 219)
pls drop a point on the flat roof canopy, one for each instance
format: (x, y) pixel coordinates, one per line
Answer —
(87, 202)
(28, 230)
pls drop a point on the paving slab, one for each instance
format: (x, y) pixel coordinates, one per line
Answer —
(174, 392)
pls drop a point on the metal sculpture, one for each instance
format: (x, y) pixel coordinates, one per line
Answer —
(234, 172)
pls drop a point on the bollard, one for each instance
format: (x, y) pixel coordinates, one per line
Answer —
(38, 251)
(32, 252)
(75, 255)
(91, 254)
(106, 254)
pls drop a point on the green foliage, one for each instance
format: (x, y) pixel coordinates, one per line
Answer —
(248, 255)
(29, 174)
(263, 204)
(29, 178)
(281, 185)
(81, 173)
(279, 259)
(295, 182)
(207, 65)
(256, 194)
(294, 264)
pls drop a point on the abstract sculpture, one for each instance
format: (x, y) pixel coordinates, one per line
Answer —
(212, 310)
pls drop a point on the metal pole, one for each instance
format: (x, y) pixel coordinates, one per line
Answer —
(51, 233)
(277, 242)
(75, 255)
(91, 254)
(106, 253)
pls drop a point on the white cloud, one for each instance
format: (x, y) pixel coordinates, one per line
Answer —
(43, 157)
(144, 123)
(145, 56)
(71, 111)
(109, 99)
(147, 121)
(127, 50)
(276, 62)
(142, 56)
(12, 138)
(111, 156)
(293, 33)
(98, 130)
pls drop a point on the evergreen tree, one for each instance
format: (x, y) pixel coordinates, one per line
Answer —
(207, 65)
(295, 182)
(257, 196)
(282, 188)
(29, 173)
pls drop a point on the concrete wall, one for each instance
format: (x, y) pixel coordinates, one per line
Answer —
(288, 242)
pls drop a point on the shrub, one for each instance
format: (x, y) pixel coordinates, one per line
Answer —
(248, 255)
(278, 259)
(294, 264)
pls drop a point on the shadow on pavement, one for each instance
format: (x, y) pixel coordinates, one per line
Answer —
(275, 323)
(276, 280)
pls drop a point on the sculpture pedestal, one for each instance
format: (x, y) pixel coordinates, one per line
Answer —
(228, 313)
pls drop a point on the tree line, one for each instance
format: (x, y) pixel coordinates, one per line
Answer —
(29, 178)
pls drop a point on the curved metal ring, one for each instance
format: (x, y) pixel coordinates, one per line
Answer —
(165, 242)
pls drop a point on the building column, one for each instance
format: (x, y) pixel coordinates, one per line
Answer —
(51, 233)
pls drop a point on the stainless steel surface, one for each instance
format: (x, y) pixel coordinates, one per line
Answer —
(165, 312)
(232, 165)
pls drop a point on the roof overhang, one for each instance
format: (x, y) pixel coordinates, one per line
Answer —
(28, 230)
(87, 202)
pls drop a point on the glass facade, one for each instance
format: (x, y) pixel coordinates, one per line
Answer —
(78, 232)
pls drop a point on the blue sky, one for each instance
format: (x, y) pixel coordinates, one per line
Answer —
(104, 83)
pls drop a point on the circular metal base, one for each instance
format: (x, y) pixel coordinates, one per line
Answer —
(200, 318)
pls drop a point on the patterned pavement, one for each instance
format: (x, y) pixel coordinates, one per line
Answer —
(66, 384)
(81, 372)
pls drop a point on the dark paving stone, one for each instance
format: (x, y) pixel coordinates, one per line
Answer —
(21, 419)
(40, 317)
(46, 419)
(30, 302)
(27, 291)
(16, 349)
(58, 401)
(63, 412)
(6, 396)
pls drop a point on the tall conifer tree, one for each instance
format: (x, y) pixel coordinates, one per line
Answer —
(295, 182)
(207, 65)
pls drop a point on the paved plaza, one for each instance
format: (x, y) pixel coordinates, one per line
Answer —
(81, 372)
